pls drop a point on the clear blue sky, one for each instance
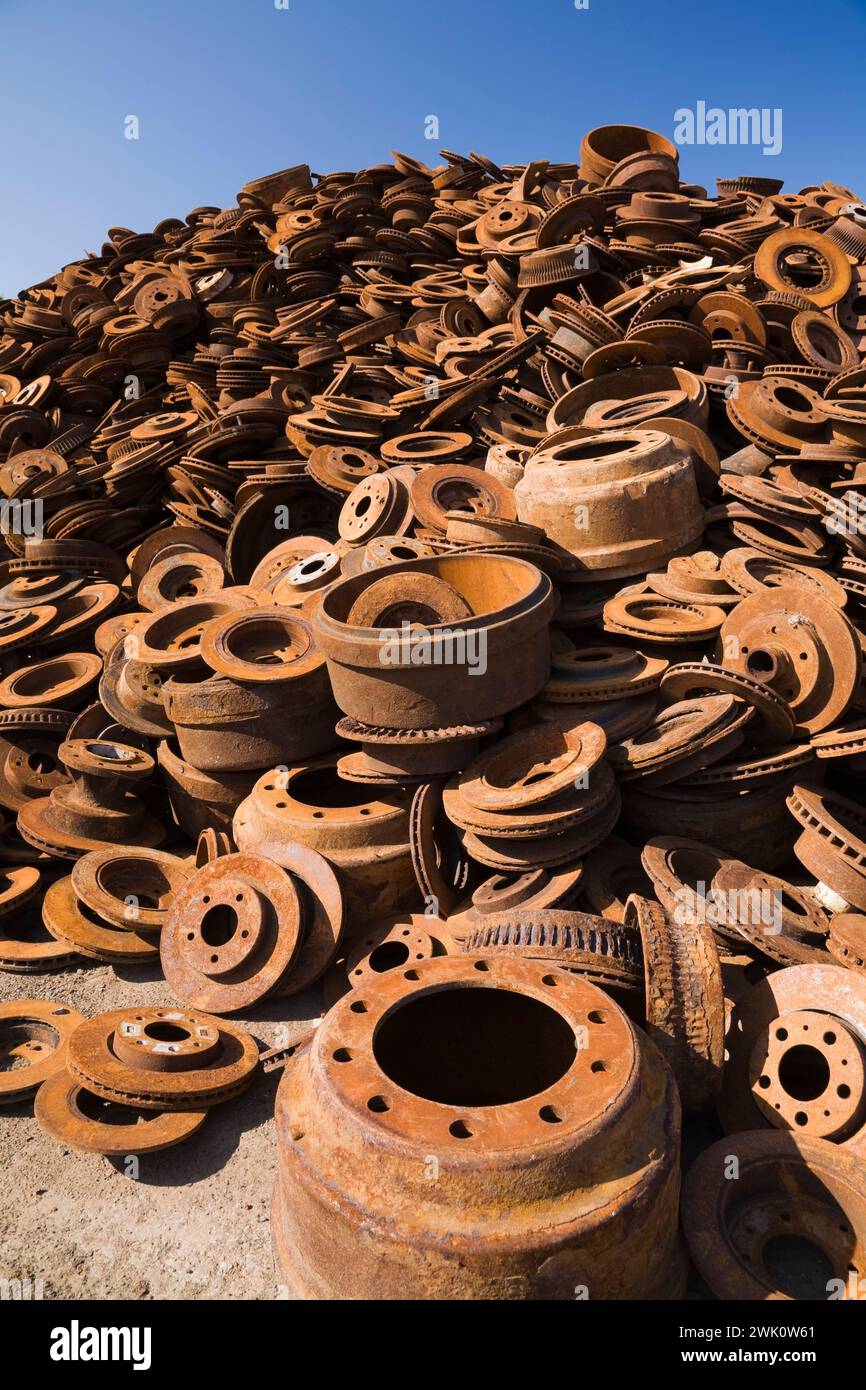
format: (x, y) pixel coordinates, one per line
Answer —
(227, 90)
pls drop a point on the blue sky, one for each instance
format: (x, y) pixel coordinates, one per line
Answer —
(227, 90)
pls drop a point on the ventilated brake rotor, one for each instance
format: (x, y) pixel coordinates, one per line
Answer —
(163, 1059)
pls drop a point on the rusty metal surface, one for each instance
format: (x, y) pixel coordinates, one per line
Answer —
(71, 1115)
(790, 1187)
(480, 556)
(34, 1041)
(419, 1097)
(797, 1056)
(162, 1059)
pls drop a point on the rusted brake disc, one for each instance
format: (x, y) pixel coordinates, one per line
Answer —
(97, 806)
(847, 941)
(606, 953)
(797, 1056)
(76, 928)
(534, 891)
(162, 1059)
(782, 248)
(232, 933)
(682, 873)
(546, 833)
(581, 676)
(34, 1037)
(771, 914)
(688, 680)
(444, 1060)
(292, 870)
(64, 682)
(791, 1192)
(441, 868)
(532, 768)
(128, 886)
(27, 947)
(396, 943)
(800, 646)
(29, 766)
(682, 739)
(399, 757)
(685, 1011)
(77, 1118)
(831, 843)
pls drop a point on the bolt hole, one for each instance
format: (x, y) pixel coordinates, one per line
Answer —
(549, 1115)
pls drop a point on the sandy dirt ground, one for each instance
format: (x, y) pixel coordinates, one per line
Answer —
(193, 1223)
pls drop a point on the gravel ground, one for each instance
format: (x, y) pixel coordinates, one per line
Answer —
(194, 1221)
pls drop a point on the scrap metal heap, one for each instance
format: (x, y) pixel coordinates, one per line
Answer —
(447, 587)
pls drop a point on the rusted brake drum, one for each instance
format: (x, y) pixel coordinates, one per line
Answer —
(408, 664)
(446, 1133)
(265, 701)
(617, 502)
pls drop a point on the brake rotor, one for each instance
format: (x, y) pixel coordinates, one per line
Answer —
(751, 571)
(681, 739)
(831, 844)
(689, 680)
(797, 1056)
(231, 933)
(589, 674)
(771, 914)
(800, 242)
(574, 806)
(18, 886)
(847, 940)
(681, 872)
(531, 767)
(77, 929)
(19, 627)
(800, 646)
(512, 855)
(795, 1196)
(128, 886)
(324, 916)
(456, 487)
(163, 1059)
(400, 757)
(77, 1118)
(29, 766)
(752, 768)
(652, 618)
(27, 947)
(97, 806)
(34, 1037)
(132, 692)
(442, 870)
(63, 682)
(396, 942)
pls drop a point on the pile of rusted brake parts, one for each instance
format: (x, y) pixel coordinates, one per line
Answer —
(447, 587)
